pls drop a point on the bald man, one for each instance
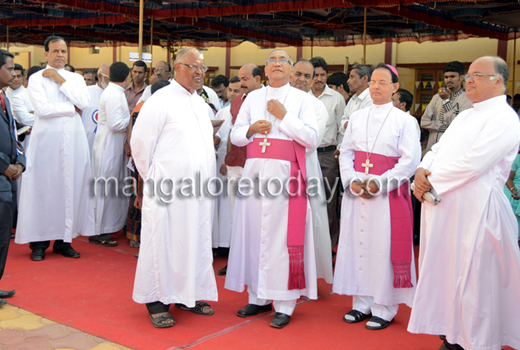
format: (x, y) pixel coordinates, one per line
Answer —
(89, 116)
(163, 71)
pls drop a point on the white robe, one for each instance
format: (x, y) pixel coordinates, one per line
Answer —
(173, 139)
(23, 111)
(222, 228)
(89, 116)
(55, 202)
(363, 264)
(258, 256)
(109, 160)
(318, 201)
(469, 262)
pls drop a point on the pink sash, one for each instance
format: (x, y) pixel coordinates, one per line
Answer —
(401, 218)
(293, 152)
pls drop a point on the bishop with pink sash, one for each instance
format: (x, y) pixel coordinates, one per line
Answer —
(272, 249)
(374, 261)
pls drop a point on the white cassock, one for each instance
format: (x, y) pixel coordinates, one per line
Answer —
(222, 227)
(469, 262)
(175, 257)
(89, 115)
(56, 201)
(23, 111)
(109, 160)
(363, 264)
(258, 256)
(318, 201)
(213, 97)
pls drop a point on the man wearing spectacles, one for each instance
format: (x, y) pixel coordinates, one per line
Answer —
(469, 259)
(173, 139)
(272, 251)
(162, 72)
(220, 85)
(89, 116)
(445, 105)
(379, 153)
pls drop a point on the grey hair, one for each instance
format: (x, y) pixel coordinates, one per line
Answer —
(184, 51)
(362, 70)
(501, 69)
(288, 56)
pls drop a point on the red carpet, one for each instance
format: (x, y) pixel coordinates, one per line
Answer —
(94, 294)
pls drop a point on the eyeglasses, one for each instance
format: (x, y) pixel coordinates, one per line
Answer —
(381, 83)
(194, 67)
(476, 75)
(279, 60)
(104, 75)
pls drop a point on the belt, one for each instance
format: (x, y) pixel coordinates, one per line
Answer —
(326, 149)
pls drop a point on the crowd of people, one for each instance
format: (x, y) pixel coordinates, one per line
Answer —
(267, 172)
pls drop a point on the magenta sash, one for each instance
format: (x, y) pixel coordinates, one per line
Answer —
(293, 152)
(401, 218)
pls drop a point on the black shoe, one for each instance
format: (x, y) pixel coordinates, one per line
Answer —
(7, 293)
(380, 323)
(38, 255)
(3, 302)
(280, 320)
(222, 271)
(357, 315)
(252, 309)
(68, 253)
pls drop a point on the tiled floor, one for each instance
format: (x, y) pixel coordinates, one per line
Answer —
(23, 330)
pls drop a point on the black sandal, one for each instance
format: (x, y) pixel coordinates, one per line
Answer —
(358, 316)
(198, 309)
(104, 242)
(161, 320)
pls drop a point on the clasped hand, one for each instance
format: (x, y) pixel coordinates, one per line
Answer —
(14, 171)
(365, 189)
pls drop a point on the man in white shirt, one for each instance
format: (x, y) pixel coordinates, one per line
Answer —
(335, 105)
(358, 84)
(220, 84)
(56, 205)
(109, 160)
(89, 116)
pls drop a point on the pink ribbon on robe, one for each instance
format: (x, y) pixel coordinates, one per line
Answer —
(293, 152)
(401, 218)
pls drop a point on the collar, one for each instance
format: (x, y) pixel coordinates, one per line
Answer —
(326, 91)
(458, 93)
(131, 87)
(363, 95)
(491, 102)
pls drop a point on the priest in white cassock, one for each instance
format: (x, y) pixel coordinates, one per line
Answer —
(302, 78)
(222, 229)
(109, 160)
(56, 204)
(272, 247)
(378, 155)
(469, 262)
(173, 150)
(89, 116)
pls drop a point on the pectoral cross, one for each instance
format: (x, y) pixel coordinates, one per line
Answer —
(264, 144)
(367, 165)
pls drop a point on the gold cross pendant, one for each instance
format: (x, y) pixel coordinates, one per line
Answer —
(264, 144)
(367, 165)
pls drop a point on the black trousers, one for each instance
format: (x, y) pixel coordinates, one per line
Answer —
(157, 307)
(330, 171)
(6, 225)
(42, 245)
